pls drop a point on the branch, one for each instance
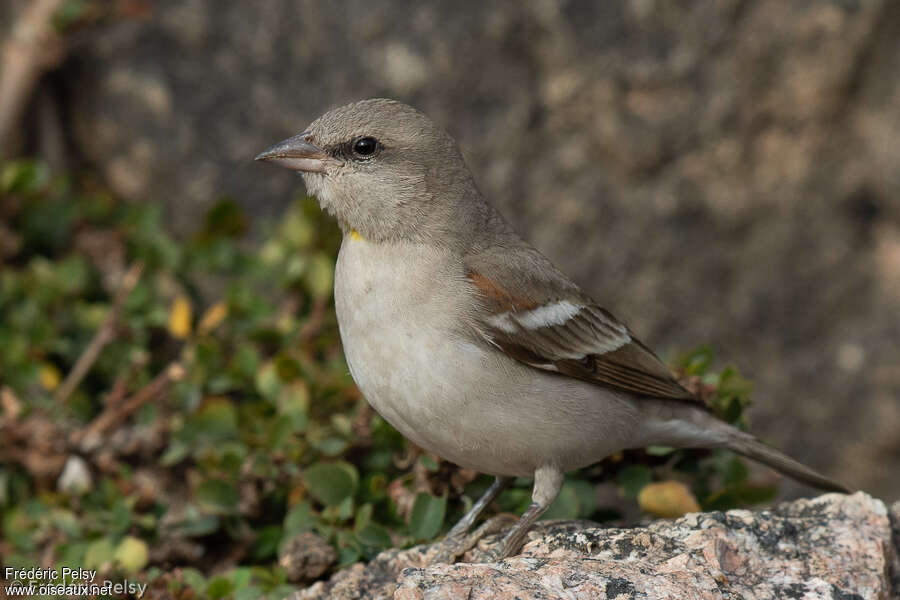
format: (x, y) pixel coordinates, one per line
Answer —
(32, 47)
(104, 335)
(89, 437)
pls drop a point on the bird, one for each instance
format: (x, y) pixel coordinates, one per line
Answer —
(466, 338)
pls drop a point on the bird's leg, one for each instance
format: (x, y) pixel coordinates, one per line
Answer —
(456, 542)
(547, 483)
(463, 525)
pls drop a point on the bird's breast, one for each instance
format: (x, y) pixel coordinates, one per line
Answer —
(397, 307)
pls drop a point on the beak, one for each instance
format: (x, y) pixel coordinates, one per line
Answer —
(296, 153)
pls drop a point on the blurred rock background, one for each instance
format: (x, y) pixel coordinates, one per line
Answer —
(718, 172)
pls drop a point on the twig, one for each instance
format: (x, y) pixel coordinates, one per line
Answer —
(104, 335)
(316, 319)
(31, 48)
(119, 388)
(112, 415)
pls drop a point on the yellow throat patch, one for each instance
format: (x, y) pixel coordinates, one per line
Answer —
(354, 235)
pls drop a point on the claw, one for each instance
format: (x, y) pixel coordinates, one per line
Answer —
(452, 548)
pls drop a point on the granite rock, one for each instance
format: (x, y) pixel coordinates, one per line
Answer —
(833, 546)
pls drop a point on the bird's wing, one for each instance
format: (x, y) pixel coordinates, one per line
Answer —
(539, 317)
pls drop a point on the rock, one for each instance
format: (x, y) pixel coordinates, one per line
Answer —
(895, 567)
(306, 556)
(833, 546)
(75, 478)
(720, 173)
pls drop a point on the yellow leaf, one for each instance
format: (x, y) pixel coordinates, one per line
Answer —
(180, 317)
(131, 554)
(49, 376)
(213, 316)
(667, 499)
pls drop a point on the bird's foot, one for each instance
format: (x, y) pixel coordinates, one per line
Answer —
(500, 550)
(451, 548)
(504, 547)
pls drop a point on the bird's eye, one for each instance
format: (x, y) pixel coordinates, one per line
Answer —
(365, 146)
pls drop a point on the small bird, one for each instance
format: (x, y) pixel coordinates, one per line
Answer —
(470, 341)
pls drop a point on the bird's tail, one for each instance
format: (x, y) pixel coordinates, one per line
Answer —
(747, 445)
(670, 424)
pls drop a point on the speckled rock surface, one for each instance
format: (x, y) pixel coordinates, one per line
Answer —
(831, 547)
(723, 173)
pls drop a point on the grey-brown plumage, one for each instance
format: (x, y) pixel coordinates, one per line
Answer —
(465, 337)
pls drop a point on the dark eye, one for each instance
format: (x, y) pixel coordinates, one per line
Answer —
(365, 146)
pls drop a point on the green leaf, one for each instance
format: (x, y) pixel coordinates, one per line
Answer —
(514, 500)
(565, 506)
(347, 555)
(320, 275)
(287, 368)
(293, 402)
(216, 419)
(734, 470)
(67, 522)
(281, 592)
(297, 229)
(377, 487)
(177, 451)
(755, 494)
(218, 587)
(194, 579)
(24, 177)
(363, 516)
(118, 519)
(268, 384)
(732, 383)
(696, 362)
(732, 396)
(742, 494)
(345, 509)
(299, 518)
(72, 275)
(330, 446)
(217, 496)
(427, 516)
(251, 592)
(196, 524)
(71, 555)
(226, 219)
(240, 576)
(330, 483)
(587, 497)
(373, 534)
(633, 478)
(429, 463)
(100, 552)
(266, 544)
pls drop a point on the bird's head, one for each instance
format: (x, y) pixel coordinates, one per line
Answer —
(382, 168)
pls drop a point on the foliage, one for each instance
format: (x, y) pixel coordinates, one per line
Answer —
(217, 419)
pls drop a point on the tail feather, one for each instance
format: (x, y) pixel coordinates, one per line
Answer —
(749, 446)
(681, 426)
